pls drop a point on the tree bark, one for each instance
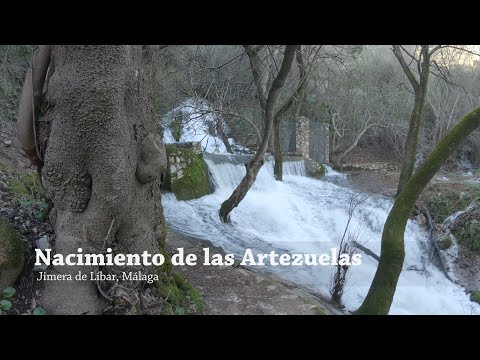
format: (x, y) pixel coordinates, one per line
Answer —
(381, 292)
(253, 166)
(354, 144)
(29, 106)
(224, 137)
(410, 146)
(277, 150)
(298, 97)
(102, 162)
(416, 118)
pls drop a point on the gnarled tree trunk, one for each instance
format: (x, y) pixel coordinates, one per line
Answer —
(381, 292)
(102, 162)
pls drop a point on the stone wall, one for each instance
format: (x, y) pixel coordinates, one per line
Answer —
(306, 138)
(319, 142)
(302, 136)
(187, 173)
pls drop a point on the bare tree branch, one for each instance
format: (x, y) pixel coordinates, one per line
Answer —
(411, 77)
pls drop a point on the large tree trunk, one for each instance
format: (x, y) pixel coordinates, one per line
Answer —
(381, 292)
(277, 150)
(102, 162)
(253, 166)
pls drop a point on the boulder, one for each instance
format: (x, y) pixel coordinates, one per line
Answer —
(187, 173)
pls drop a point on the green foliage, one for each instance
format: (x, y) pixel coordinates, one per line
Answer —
(28, 193)
(444, 200)
(445, 242)
(39, 310)
(468, 233)
(17, 187)
(8, 292)
(179, 311)
(5, 305)
(180, 297)
(475, 296)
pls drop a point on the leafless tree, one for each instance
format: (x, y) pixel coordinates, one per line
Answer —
(268, 87)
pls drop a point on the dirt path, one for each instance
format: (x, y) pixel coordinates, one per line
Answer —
(236, 290)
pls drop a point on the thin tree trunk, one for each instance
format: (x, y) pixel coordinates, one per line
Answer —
(411, 141)
(381, 292)
(224, 137)
(354, 145)
(416, 118)
(253, 166)
(277, 150)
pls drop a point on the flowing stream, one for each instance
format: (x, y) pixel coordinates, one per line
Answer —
(305, 215)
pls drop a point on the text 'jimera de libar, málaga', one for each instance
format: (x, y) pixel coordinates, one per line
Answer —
(182, 259)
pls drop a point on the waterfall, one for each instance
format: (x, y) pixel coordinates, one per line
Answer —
(306, 215)
(228, 170)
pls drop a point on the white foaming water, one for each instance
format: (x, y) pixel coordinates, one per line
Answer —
(304, 215)
(330, 172)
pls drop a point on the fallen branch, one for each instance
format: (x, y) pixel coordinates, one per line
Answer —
(366, 250)
(472, 211)
(432, 239)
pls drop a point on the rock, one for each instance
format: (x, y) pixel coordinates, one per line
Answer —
(11, 254)
(3, 186)
(421, 219)
(43, 243)
(8, 143)
(188, 178)
(445, 242)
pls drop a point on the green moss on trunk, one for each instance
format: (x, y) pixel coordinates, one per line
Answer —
(382, 290)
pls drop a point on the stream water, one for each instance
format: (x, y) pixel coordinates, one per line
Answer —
(305, 215)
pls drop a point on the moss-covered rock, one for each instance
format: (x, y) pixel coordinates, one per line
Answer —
(11, 255)
(180, 296)
(187, 175)
(445, 242)
(475, 296)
